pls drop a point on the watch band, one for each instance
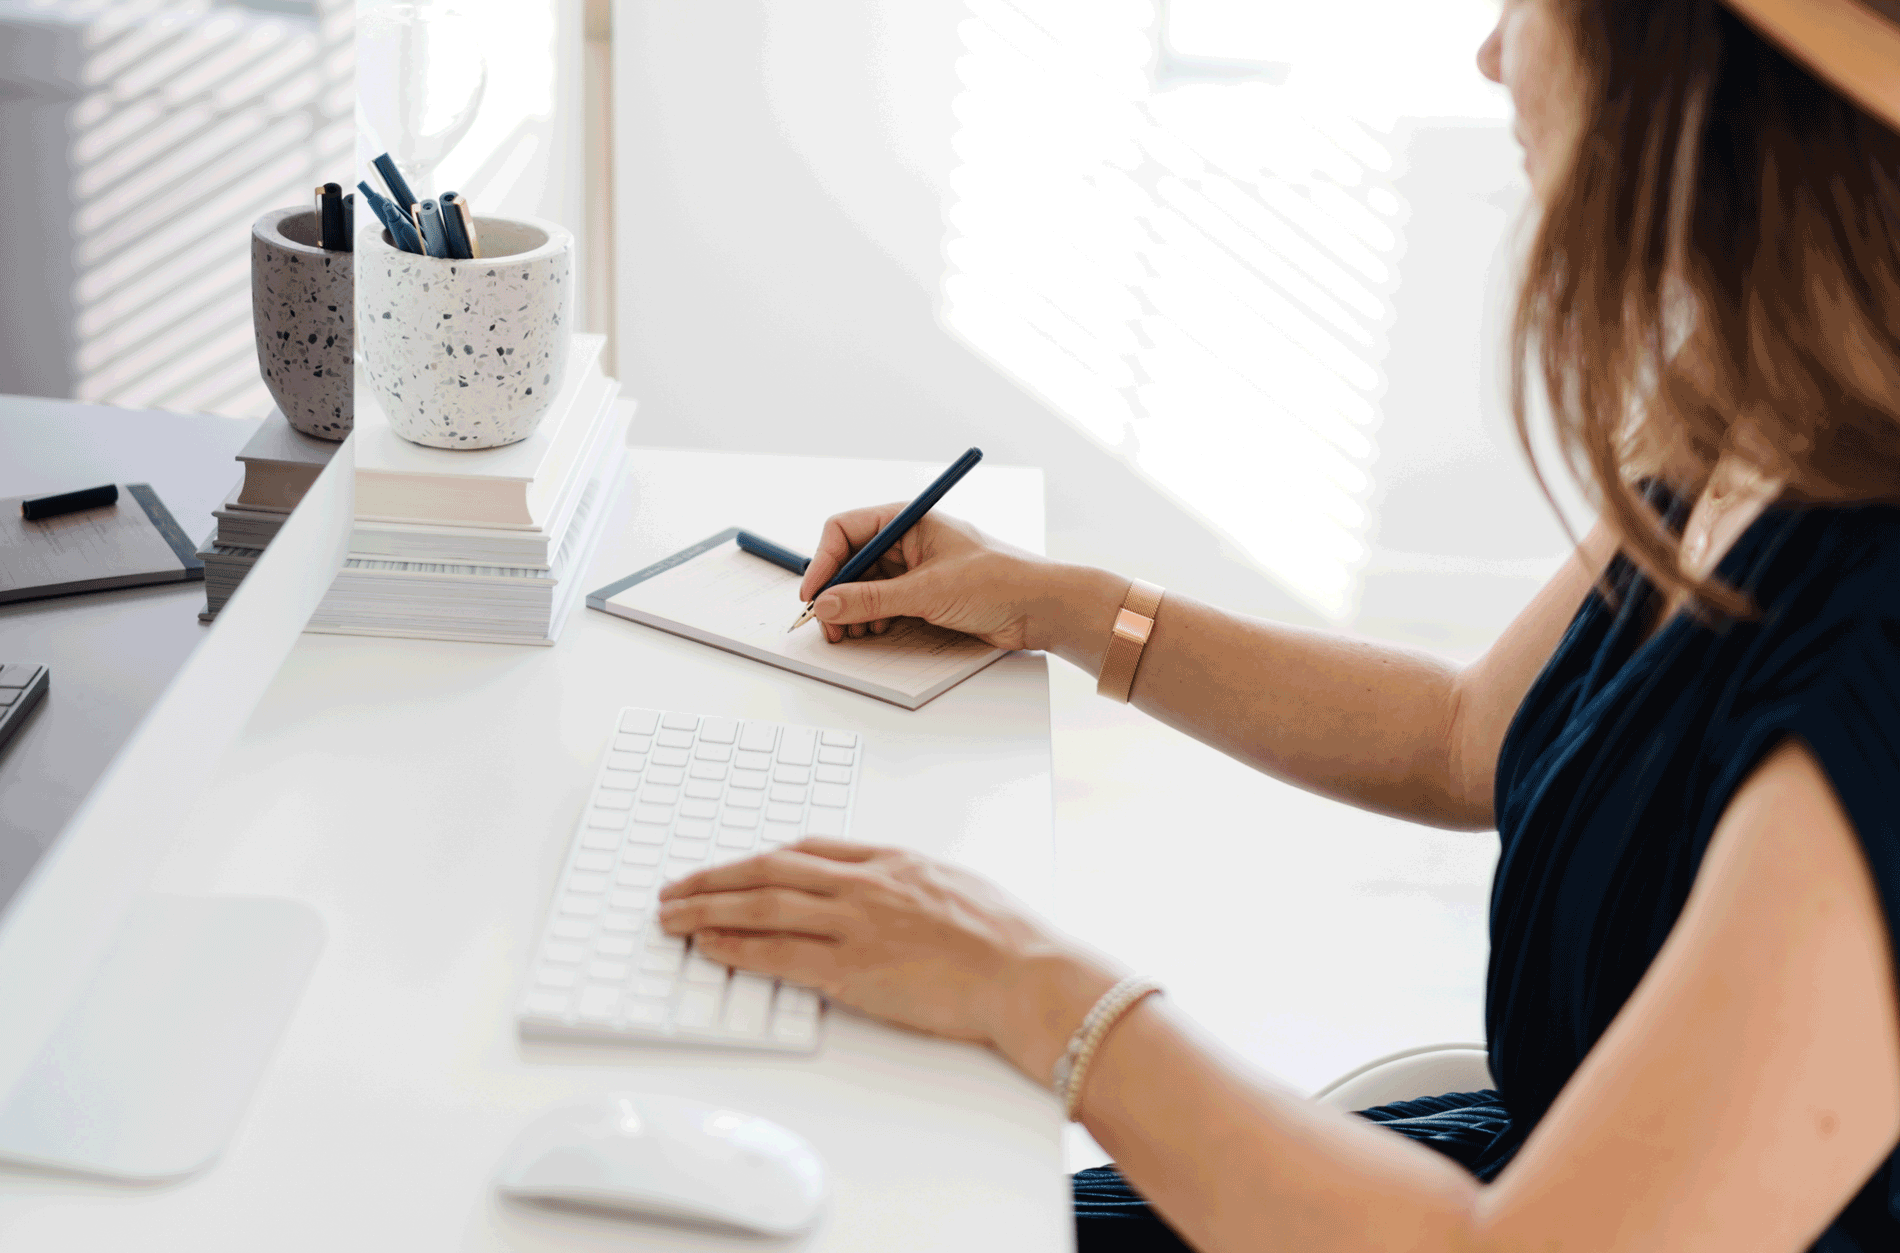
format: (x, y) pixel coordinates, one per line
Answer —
(1127, 640)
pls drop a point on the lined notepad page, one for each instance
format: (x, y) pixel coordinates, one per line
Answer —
(729, 593)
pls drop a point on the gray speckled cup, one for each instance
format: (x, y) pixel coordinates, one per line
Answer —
(467, 354)
(301, 308)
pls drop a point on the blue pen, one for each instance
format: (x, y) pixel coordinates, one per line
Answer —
(453, 227)
(392, 177)
(765, 548)
(429, 223)
(402, 232)
(894, 530)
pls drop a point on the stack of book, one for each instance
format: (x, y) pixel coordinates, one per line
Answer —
(280, 464)
(483, 545)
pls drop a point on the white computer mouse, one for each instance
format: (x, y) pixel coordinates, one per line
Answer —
(671, 1158)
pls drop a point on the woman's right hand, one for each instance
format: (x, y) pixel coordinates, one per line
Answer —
(943, 570)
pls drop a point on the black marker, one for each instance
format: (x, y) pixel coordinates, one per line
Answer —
(69, 502)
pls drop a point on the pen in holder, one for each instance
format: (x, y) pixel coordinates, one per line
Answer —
(468, 354)
(302, 310)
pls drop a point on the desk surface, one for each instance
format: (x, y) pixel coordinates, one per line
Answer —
(420, 796)
(111, 652)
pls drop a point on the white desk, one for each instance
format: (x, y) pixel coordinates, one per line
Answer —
(420, 797)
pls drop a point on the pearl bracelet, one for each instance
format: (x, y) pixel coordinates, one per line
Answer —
(1107, 1011)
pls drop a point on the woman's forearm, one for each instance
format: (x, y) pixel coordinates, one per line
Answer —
(1367, 724)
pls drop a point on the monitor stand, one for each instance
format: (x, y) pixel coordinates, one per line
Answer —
(147, 1074)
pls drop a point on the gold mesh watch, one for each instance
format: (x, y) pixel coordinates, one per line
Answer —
(1129, 637)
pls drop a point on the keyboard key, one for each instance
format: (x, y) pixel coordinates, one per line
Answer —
(646, 1013)
(564, 952)
(647, 833)
(637, 876)
(698, 1007)
(825, 822)
(834, 774)
(665, 774)
(838, 739)
(836, 756)
(639, 854)
(749, 779)
(830, 795)
(791, 774)
(558, 977)
(718, 730)
(615, 945)
(631, 762)
(600, 840)
(659, 941)
(674, 739)
(548, 1004)
(633, 743)
(579, 881)
(758, 737)
(748, 1003)
(785, 813)
(658, 987)
(794, 1000)
(699, 809)
(659, 963)
(709, 770)
(797, 1030)
(704, 789)
(609, 972)
(622, 922)
(635, 899)
(652, 813)
(780, 833)
(745, 800)
(639, 721)
(578, 906)
(702, 969)
(599, 1004)
(737, 837)
(739, 818)
(607, 819)
(591, 862)
(680, 721)
(670, 757)
(752, 761)
(788, 793)
(694, 828)
(657, 794)
(620, 780)
(795, 746)
(712, 752)
(605, 799)
(571, 928)
(18, 674)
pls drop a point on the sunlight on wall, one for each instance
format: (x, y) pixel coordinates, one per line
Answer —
(193, 120)
(1199, 275)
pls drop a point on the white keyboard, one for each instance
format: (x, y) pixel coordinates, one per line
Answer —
(677, 792)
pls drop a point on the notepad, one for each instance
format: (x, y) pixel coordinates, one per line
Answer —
(128, 544)
(718, 594)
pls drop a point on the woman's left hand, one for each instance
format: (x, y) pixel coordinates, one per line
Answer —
(901, 937)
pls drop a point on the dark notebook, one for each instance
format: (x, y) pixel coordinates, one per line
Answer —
(128, 544)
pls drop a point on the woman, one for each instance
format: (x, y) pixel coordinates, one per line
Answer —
(1689, 742)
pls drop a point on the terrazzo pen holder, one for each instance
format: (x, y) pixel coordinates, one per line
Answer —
(303, 311)
(467, 354)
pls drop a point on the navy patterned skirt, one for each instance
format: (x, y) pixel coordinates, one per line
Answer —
(1111, 1217)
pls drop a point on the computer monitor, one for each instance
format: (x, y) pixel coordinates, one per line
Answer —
(134, 1026)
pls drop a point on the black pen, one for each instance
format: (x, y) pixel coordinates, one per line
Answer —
(401, 232)
(69, 502)
(761, 547)
(435, 241)
(893, 531)
(332, 236)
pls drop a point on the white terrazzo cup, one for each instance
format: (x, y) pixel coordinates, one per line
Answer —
(467, 354)
(301, 309)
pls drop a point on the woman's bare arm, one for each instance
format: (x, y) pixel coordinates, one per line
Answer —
(1369, 724)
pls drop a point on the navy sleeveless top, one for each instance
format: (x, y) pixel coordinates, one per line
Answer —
(1622, 758)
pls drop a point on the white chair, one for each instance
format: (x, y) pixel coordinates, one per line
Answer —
(1428, 1070)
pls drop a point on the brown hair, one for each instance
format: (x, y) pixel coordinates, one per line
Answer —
(1720, 259)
